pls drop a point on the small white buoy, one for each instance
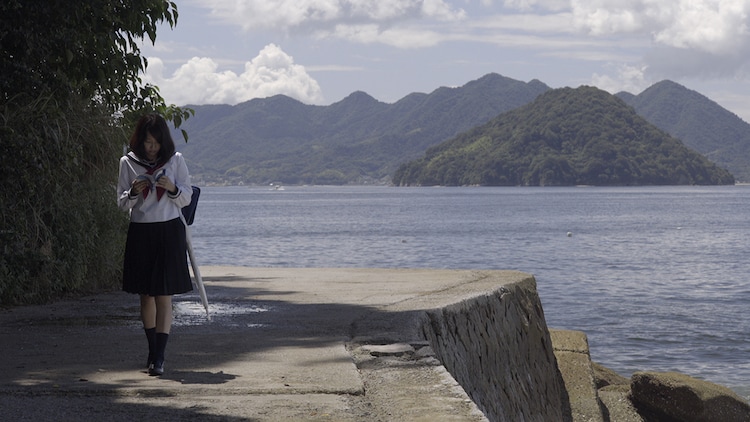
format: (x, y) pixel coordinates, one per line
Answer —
(570, 234)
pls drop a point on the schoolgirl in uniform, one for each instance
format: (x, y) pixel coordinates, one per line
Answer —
(154, 185)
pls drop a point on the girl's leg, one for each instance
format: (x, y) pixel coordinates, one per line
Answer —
(148, 311)
(163, 317)
(148, 317)
(163, 326)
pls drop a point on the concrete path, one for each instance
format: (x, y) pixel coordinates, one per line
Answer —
(282, 344)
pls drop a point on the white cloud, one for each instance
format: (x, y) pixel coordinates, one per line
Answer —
(629, 43)
(715, 26)
(199, 81)
(627, 78)
(718, 27)
(527, 22)
(401, 37)
(292, 15)
(696, 39)
(441, 10)
(534, 4)
(604, 21)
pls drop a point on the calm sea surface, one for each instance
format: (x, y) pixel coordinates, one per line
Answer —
(657, 277)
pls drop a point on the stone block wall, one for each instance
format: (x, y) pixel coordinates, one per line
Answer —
(498, 348)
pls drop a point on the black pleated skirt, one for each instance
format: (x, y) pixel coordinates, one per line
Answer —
(156, 259)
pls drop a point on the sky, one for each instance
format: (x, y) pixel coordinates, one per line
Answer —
(320, 51)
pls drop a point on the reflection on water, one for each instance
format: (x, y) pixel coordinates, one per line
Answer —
(190, 311)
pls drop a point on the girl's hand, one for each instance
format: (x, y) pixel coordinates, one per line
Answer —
(165, 183)
(138, 186)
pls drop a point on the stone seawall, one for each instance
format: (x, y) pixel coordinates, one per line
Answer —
(498, 347)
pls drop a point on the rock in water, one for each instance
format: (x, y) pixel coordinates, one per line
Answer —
(687, 399)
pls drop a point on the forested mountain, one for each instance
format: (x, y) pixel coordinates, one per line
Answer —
(582, 136)
(356, 140)
(362, 140)
(699, 122)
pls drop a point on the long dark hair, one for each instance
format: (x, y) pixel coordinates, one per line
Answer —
(155, 125)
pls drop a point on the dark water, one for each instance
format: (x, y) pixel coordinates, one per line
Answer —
(657, 277)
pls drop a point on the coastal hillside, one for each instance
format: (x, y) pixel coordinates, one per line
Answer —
(699, 122)
(356, 140)
(582, 136)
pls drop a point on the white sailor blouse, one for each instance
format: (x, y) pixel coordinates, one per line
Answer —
(153, 204)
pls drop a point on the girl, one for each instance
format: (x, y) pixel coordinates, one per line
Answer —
(153, 186)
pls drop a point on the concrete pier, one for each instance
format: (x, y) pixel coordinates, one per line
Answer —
(282, 344)
(306, 344)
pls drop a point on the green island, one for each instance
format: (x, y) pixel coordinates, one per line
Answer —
(565, 137)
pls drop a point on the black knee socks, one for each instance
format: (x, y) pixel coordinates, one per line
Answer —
(151, 337)
(161, 345)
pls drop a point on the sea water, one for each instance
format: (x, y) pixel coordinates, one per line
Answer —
(657, 277)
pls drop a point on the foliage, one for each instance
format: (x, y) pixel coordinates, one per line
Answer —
(356, 140)
(565, 137)
(60, 230)
(87, 49)
(69, 67)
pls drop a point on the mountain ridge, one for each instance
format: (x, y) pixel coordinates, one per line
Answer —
(360, 139)
(699, 122)
(356, 140)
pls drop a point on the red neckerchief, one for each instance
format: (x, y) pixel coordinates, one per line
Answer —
(150, 170)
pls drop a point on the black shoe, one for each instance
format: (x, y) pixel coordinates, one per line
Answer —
(156, 369)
